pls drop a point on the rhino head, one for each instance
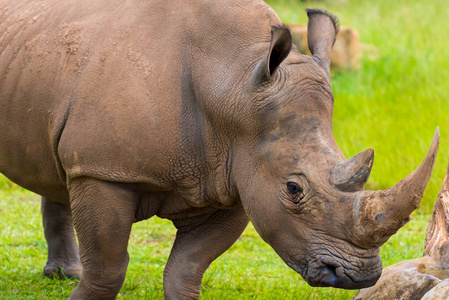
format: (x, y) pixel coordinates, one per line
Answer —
(303, 197)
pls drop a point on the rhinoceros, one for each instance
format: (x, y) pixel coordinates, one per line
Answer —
(201, 112)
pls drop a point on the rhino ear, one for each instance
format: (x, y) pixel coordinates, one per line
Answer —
(322, 31)
(280, 46)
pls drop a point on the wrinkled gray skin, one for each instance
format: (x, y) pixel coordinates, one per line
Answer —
(203, 113)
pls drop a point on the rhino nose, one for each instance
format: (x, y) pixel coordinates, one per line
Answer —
(360, 283)
(332, 276)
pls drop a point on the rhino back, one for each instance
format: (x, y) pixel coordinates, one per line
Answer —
(119, 90)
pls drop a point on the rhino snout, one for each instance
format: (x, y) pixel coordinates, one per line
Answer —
(334, 274)
(331, 271)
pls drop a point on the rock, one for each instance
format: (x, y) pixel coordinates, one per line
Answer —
(346, 52)
(440, 292)
(399, 285)
(437, 236)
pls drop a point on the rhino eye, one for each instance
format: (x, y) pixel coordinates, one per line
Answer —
(294, 188)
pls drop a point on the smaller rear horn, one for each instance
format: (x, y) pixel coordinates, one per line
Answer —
(352, 174)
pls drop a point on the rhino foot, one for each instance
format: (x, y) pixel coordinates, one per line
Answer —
(63, 260)
(58, 270)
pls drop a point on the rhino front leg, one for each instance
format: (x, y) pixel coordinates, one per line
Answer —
(199, 242)
(63, 254)
(103, 214)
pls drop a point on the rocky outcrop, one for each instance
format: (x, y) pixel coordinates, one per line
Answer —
(440, 292)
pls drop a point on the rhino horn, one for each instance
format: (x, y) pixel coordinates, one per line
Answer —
(322, 31)
(352, 174)
(380, 214)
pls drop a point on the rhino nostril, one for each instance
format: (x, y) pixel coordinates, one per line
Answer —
(331, 269)
(328, 275)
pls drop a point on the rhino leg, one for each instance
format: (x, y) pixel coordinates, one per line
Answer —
(103, 214)
(198, 242)
(63, 255)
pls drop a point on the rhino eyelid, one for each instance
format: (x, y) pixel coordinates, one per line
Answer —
(296, 175)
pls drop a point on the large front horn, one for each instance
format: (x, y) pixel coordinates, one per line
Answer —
(379, 214)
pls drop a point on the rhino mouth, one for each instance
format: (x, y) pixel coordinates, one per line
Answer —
(331, 271)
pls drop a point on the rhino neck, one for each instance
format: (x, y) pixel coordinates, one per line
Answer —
(217, 74)
(202, 185)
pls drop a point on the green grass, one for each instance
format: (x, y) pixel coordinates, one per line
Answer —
(249, 270)
(392, 104)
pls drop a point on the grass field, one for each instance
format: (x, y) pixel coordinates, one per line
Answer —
(392, 104)
(249, 270)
